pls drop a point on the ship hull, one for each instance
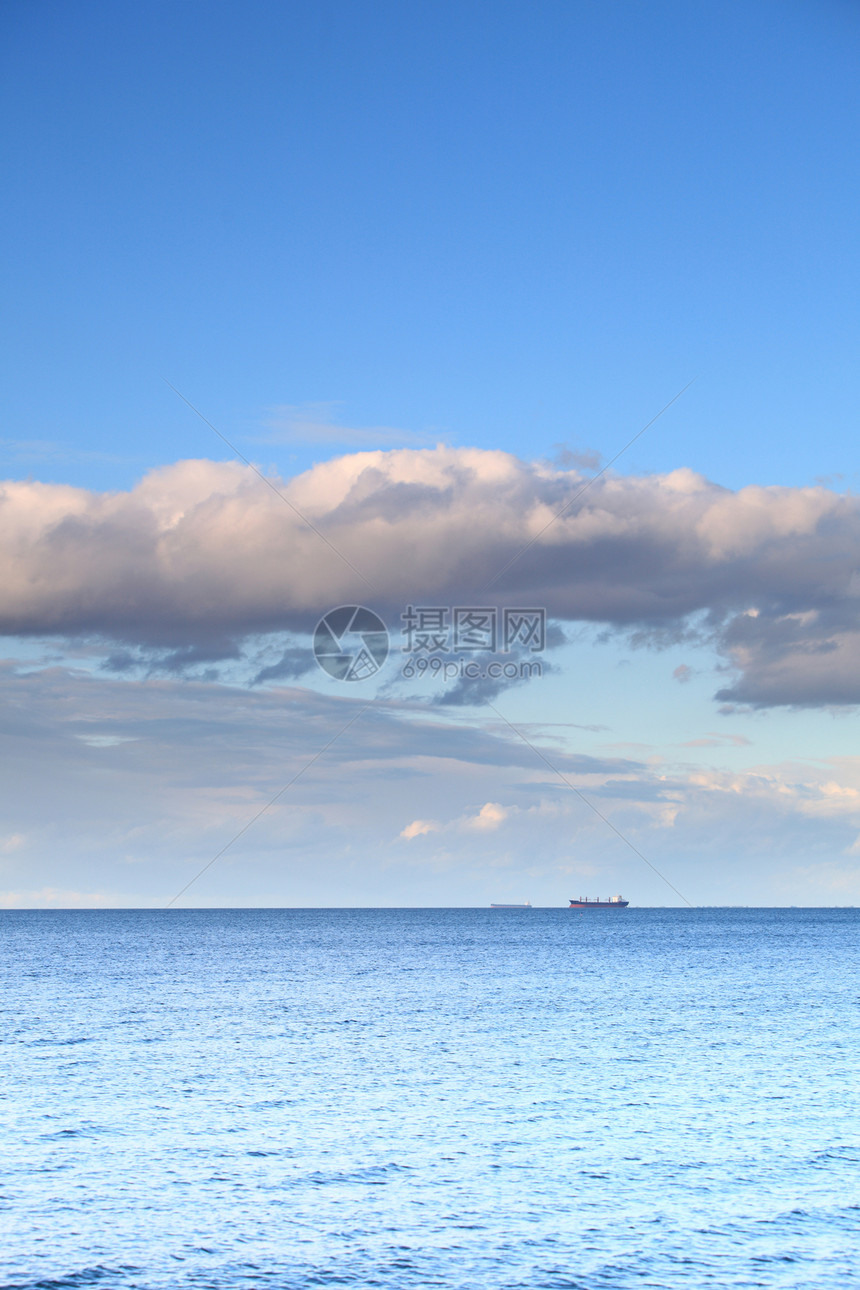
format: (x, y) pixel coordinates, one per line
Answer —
(599, 904)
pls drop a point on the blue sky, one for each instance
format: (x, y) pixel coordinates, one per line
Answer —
(342, 227)
(508, 225)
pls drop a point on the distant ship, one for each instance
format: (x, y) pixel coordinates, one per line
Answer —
(527, 905)
(614, 902)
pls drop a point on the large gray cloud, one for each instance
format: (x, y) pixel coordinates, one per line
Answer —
(202, 554)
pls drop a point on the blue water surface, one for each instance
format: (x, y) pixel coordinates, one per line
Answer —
(417, 1098)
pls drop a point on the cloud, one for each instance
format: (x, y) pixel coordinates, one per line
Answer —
(490, 816)
(486, 820)
(315, 423)
(201, 555)
(713, 739)
(586, 459)
(293, 663)
(809, 658)
(56, 898)
(419, 829)
(149, 779)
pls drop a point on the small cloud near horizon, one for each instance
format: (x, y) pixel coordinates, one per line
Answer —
(419, 828)
(490, 816)
(715, 740)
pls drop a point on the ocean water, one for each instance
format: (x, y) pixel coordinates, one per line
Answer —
(416, 1098)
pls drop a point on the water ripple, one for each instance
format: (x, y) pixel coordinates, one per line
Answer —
(230, 1100)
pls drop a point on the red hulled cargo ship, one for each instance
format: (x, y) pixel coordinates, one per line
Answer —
(614, 902)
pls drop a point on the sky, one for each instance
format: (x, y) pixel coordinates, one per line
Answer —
(451, 307)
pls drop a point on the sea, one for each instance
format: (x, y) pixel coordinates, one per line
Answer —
(459, 1098)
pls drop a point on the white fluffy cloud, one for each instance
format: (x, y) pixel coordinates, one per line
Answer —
(201, 554)
(490, 816)
(419, 829)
